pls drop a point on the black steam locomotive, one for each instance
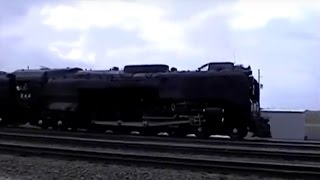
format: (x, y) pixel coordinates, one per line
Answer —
(217, 98)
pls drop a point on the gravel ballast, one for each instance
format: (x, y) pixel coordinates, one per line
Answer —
(14, 167)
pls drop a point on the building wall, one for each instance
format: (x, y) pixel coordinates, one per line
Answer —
(312, 131)
(286, 124)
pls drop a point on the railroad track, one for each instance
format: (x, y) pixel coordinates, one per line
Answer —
(231, 156)
(309, 153)
(227, 165)
(261, 143)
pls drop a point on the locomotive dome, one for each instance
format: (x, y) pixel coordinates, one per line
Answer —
(146, 68)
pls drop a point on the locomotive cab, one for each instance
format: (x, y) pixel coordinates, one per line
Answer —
(30, 82)
(29, 88)
(7, 98)
(27, 81)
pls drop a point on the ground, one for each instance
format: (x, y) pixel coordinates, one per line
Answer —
(33, 168)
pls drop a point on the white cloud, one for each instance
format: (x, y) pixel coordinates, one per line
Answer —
(74, 50)
(253, 15)
(101, 34)
(250, 14)
(88, 14)
(125, 51)
(150, 22)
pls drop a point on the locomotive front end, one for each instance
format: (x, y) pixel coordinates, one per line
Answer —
(218, 99)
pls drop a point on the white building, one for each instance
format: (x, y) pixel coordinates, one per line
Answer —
(286, 124)
(312, 126)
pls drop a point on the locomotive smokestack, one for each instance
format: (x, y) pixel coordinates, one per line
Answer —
(259, 77)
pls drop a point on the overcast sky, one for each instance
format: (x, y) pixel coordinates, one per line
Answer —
(282, 38)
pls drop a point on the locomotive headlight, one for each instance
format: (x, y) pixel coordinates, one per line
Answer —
(59, 123)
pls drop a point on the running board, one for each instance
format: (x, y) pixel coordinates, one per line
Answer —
(141, 123)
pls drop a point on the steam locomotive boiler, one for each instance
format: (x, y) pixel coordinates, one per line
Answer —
(218, 98)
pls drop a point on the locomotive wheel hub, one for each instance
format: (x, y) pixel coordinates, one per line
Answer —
(235, 130)
(59, 123)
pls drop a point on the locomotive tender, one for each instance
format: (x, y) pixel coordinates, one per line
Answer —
(218, 98)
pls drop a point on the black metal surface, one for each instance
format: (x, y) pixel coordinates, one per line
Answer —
(72, 97)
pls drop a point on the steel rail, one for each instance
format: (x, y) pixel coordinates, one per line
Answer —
(172, 147)
(302, 145)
